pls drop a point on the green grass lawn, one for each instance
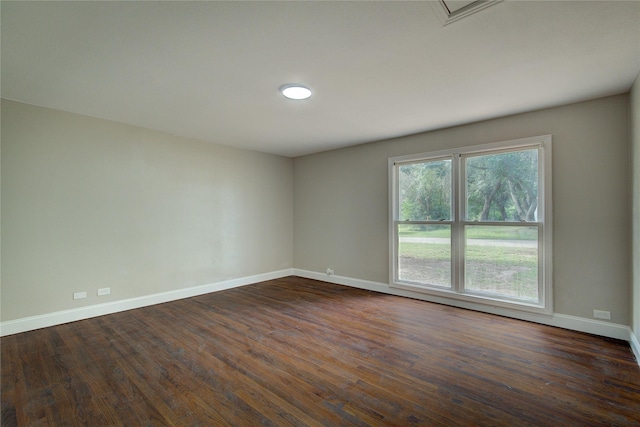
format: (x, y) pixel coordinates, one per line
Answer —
(507, 271)
(499, 255)
(472, 232)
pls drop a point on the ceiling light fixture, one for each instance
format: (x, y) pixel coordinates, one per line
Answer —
(295, 91)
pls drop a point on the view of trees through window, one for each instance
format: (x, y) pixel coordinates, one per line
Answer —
(425, 191)
(502, 187)
(498, 223)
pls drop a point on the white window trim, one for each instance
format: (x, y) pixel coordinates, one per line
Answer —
(546, 256)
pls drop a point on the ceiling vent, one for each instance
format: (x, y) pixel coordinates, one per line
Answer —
(452, 10)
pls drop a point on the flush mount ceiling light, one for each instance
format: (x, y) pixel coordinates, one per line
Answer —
(295, 91)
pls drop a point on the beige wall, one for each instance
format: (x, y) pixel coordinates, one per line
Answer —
(88, 203)
(341, 204)
(635, 145)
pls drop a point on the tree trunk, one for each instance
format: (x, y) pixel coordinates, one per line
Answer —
(487, 201)
(516, 202)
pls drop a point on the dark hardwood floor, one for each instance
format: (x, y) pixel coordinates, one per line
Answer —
(300, 352)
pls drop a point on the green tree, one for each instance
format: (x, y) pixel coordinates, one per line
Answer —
(503, 187)
(499, 187)
(425, 190)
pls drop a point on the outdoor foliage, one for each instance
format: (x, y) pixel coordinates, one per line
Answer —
(499, 187)
(425, 191)
(503, 187)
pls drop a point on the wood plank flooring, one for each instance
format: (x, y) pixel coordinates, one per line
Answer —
(296, 352)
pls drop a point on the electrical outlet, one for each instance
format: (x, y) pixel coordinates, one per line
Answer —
(79, 295)
(329, 272)
(601, 314)
(104, 291)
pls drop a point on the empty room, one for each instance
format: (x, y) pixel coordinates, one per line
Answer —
(310, 213)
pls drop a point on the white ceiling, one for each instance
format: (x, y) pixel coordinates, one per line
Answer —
(211, 70)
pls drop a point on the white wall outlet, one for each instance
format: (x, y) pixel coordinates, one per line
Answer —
(601, 314)
(329, 271)
(104, 291)
(79, 295)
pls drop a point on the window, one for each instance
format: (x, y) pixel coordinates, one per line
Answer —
(474, 223)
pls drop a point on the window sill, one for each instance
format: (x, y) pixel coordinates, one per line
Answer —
(474, 299)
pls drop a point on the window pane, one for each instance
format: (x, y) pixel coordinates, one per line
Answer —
(502, 187)
(502, 261)
(424, 254)
(425, 191)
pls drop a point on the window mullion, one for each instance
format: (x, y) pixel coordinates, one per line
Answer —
(457, 238)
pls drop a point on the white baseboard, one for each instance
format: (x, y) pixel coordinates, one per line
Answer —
(635, 346)
(596, 327)
(57, 318)
(581, 324)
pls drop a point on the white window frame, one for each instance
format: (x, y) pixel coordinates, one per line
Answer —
(458, 221)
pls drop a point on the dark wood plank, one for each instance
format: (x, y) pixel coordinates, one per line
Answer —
(300, 352)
